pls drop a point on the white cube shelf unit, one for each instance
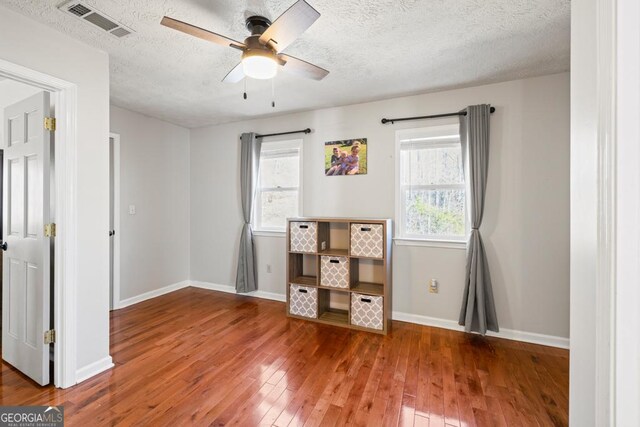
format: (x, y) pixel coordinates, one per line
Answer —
(339, 272)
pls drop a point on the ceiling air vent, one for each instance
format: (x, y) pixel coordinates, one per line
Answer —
(90, 14)
(120, 32)
(79, 10)
(102, 22)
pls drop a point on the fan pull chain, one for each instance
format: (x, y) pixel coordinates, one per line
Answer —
(245, 88)
(273, 93)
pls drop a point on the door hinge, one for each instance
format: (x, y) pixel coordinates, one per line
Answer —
(50, 123)
(50, 230)
(50, 336)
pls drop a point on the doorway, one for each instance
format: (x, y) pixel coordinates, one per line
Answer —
(114, 221)
(64, 95)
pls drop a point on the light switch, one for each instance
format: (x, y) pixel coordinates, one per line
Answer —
(433, 286)
(132, 209)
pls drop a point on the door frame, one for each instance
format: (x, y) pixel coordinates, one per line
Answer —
(608, 133)
(64, 95)
(116, 220)
(626, 323)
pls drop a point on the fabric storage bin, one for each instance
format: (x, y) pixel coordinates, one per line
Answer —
(366, 240)
(302, 236)
(334, 271)
(367, 311)
(303, 301)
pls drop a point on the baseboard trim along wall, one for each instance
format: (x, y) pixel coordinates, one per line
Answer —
(232, 290)
(510, 334)
(151, 294)
(94, 368)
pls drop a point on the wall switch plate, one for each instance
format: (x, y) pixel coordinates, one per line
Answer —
(268, 268)
(132, 209)
(433, 286)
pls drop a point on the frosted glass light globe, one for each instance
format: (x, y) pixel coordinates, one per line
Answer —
(259, 67)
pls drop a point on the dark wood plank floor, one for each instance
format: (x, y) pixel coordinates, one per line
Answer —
(197, 357)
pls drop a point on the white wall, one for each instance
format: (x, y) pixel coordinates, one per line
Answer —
(154, 176)
(33, 45)
(526, 221)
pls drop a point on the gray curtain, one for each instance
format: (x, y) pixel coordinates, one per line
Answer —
(478, 311)
(246, 278)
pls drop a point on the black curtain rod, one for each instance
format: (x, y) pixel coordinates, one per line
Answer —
(433, 116)
(307, 130)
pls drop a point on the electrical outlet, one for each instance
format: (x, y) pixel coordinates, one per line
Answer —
(323, 246)
(132, 209)
(268, 268)
(433, 286)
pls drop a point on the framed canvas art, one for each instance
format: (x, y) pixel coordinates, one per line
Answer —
(345, 157)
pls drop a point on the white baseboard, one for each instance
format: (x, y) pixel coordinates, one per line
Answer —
(232, 290)
(93, 369)
(267, 295)
(151, 294)
(509, 334)
(213, 286)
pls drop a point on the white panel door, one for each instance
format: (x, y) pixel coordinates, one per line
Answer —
(26, 264)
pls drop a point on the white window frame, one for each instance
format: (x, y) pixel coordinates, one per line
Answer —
(277, 146)
(433, 136)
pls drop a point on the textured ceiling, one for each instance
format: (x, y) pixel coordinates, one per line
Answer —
(374, 49)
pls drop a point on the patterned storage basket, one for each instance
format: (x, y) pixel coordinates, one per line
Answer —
(334, 271)
(366, 240)
(367, 311)
(303, 236)
(303, 301)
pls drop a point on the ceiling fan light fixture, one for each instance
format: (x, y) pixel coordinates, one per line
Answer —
(259, 65)
(262, 50)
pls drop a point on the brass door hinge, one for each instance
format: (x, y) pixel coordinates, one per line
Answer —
(50, 123)
(50, 336)
(50, 230)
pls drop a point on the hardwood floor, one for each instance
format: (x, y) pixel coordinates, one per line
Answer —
(198, 357)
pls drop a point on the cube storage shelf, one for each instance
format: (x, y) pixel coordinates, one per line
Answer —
(339, 272)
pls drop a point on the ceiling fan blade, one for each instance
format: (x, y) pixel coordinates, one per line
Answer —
(235, 75)
(302, 68)
(288, 27)
(201, 33)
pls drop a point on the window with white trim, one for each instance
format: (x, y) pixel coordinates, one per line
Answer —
(430, 189)
(278, 196)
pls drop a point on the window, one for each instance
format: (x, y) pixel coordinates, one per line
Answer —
(430, 195)
(278, 195)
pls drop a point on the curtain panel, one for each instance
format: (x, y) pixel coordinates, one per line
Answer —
(246, 277)
(478, 312)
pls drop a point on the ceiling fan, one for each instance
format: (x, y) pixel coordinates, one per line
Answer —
(262, 50)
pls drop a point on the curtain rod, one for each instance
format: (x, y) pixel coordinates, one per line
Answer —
(433, 116)
(307, 130)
